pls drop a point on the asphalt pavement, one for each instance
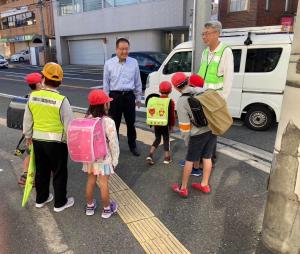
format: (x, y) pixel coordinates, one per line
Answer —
(229, 220)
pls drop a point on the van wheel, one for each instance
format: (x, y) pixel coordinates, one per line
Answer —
(21, 59)
(259, 118)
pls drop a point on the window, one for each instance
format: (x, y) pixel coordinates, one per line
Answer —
(262, 60)
(19, 20)
(238, 5)
(181, 61)
(237, 59)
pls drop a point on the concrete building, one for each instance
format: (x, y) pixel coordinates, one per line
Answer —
(86, 30)
(20, 25)
(250, 13)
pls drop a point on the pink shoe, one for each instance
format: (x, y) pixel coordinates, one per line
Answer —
(198, 186)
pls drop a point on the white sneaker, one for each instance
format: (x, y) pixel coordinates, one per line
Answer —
(50, 198)
(69, 203)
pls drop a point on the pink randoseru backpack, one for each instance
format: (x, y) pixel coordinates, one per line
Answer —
(86, 140)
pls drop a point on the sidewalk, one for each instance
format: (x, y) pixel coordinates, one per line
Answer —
(226, 221)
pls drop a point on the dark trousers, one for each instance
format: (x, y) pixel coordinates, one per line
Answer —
(162, 131)
(124, 103)
(51, 157)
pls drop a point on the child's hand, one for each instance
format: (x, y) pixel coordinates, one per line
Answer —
(28, 142)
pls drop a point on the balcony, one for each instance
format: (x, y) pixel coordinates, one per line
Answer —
(67, 7)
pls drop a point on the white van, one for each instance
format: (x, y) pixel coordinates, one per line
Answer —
(260, 74)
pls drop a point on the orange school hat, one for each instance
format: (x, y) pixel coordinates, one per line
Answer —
(98, 97)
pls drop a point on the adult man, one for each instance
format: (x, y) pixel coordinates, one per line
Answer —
(122, 81)
(46, 119)
(217, 60)
(217, 64)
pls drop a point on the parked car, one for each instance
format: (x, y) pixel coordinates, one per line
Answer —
(21, 56)
(3, 62)
(259, 80)
(148, 62)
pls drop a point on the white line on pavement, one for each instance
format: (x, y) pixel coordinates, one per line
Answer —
(1, 170)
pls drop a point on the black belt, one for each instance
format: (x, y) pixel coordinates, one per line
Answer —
(122, 92)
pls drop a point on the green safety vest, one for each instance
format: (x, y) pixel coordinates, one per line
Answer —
(158, 111)
(45, 108)
(209, 70)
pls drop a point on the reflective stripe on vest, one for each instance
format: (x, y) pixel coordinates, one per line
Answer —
(158, 111)
(209, 70)
(45, 108)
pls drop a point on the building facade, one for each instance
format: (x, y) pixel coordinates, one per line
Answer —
(86, 30)
(20, 25)
(250, 13)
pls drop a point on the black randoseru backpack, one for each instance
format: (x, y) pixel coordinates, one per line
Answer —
(197, 111)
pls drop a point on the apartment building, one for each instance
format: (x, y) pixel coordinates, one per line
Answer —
(86, 30)
(20, 25)
(249, 13)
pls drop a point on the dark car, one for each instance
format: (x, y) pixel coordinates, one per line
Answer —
(148, 62)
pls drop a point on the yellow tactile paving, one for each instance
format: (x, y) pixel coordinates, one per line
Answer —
(155, 238)
(152, 235)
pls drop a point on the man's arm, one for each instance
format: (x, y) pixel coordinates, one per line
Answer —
(137, 83)
(106, 82)
(228, 70)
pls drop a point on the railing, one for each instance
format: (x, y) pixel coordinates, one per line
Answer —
(67, 7)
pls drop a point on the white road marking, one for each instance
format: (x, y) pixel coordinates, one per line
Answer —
(96, 87)
(1, 170)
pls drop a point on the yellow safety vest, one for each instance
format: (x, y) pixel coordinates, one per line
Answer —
(45, 108)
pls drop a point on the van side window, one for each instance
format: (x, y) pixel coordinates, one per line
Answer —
(262, 60)
(181, 61)
(237, 59)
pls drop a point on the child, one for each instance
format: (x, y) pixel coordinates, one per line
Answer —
(34, 81)
(165, 88)
(199, 140)
(99, 106)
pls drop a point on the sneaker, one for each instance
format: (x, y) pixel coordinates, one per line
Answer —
(198, 186)
(70, 202)
(149, 159)
(22, 180)
(182, 192)
(197, 172)
(50, 198)
(107, 213)
(167, 160)
(181, 163)
(90, 210)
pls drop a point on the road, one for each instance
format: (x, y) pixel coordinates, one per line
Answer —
(151, 218)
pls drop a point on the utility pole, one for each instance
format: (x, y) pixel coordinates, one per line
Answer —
(201, 14)
(42, 28)
(281, 226)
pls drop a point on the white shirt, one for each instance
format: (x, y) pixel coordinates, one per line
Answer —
(226, 68)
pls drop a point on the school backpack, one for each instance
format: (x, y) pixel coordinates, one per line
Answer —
(210, 109)
(15, 113)
(158, 111)
(86, 140)
(199, 118)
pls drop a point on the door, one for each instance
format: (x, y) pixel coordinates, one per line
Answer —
(87, 52)
(235, 96)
